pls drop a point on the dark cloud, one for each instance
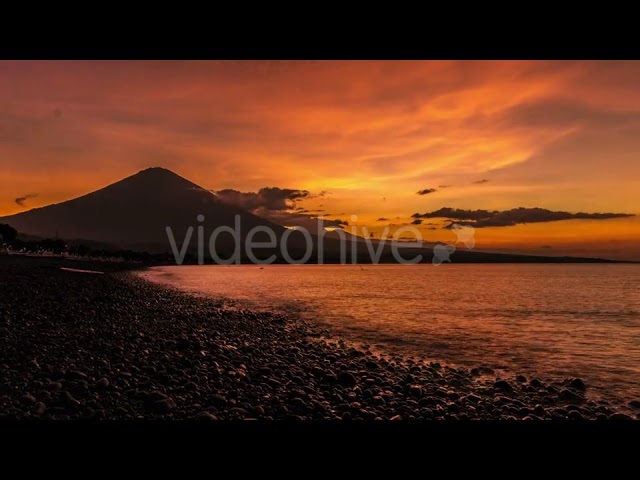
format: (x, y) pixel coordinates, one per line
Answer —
(20, 200)
(560, 113)
(478, 182)
(417, 221)
(546, 246)
(426, 191)
(445, 186)
(271, 198)
(382, 219)
(341, 223)
(407, 237)
(515, 216)
(279, 205)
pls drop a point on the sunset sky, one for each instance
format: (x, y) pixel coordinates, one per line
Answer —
(344, 138)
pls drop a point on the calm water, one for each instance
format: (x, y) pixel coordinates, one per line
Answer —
(552, 321)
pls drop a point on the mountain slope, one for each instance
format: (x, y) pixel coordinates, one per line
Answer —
(135, 212)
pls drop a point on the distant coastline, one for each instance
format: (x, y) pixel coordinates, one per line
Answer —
(141, 259)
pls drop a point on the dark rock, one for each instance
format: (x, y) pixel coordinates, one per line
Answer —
(634, 404)
(575, 415)
(298, 403)
(239, 411)
(163, 406)
(68, 399)
(441, 392)
(28, 399)
(53, 386)
(218, 399)
(569, 396)
(524, 411)
(535, 383)
(157, 395)
(415, 390)
(330, 378)
(102, 383)
(122, 412)
(503, 386)
(521, 379)
(578, 384)
(160, 402)
(347, 379)
(206, 416)
(620, 416)
(39, 408)
(291, 416)
(77, 374)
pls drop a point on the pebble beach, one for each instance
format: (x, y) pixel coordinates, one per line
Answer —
(78, 345)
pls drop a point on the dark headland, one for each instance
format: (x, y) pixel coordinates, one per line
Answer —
(112, 346)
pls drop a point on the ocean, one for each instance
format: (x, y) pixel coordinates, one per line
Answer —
(549, 321)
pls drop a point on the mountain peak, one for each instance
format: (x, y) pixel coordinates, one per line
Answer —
(135, 212)
(156, 170)
(154, 178)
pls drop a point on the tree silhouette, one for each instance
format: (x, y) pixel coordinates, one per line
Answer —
(8, 234)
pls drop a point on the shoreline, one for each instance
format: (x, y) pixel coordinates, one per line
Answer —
(116, 346)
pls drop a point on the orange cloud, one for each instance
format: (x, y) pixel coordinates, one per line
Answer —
(555, 135)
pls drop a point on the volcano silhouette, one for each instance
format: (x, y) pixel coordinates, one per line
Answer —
(134, 213)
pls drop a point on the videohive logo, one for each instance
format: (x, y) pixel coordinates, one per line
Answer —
(464, 234)
(349, 247)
